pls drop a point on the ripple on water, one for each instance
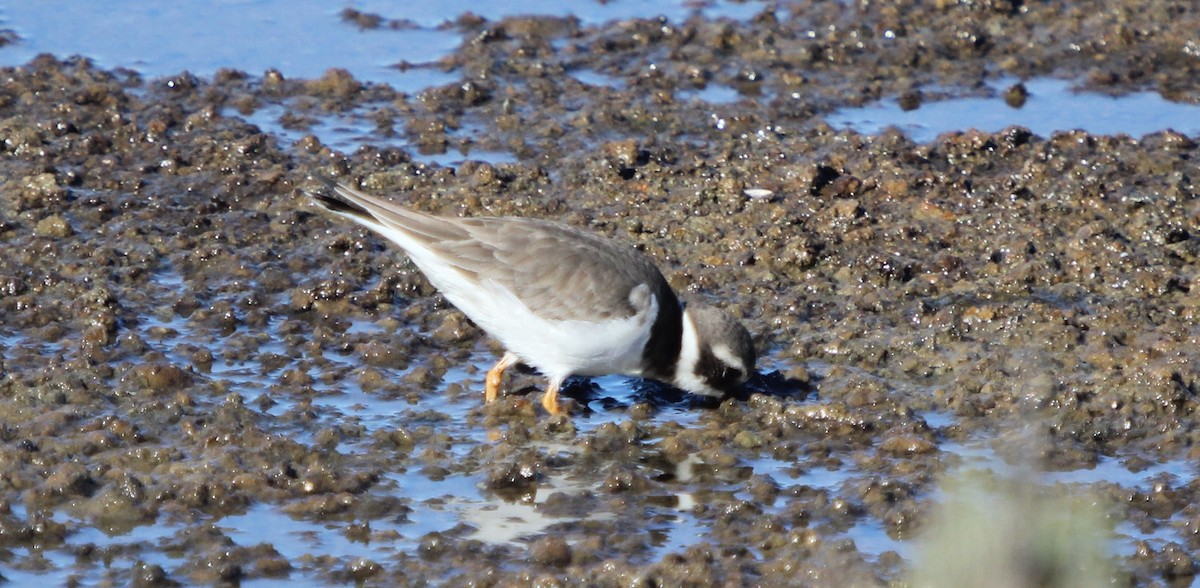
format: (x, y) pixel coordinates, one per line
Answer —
(348, 131)
(713, 94)
(304, 39)
(872, 539)
(124, 549)
(300, 38)
(1052, 106)
(294, 538)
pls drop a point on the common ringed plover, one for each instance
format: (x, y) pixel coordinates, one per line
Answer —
(560, 299)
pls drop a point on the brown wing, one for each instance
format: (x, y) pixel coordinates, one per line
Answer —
(558, 271)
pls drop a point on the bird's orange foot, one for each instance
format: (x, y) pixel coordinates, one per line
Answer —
(495, 376)
(550, 399)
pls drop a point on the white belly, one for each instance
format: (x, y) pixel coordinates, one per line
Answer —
(561, 348)
(557, 348)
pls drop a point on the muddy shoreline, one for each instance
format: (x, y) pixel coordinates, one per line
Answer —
(189, 352)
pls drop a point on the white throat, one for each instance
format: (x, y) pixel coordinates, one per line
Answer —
(686, 377)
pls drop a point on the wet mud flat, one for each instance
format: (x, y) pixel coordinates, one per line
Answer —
(204, 381)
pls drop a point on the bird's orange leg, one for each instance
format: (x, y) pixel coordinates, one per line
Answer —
(495, 376)
(550, 399)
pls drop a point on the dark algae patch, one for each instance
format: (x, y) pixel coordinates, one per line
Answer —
(203, 381)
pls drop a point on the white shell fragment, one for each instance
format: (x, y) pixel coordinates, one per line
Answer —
(758, 193)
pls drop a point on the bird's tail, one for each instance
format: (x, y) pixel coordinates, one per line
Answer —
(338, 199)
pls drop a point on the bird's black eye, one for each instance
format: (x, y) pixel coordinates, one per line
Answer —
(717, 373)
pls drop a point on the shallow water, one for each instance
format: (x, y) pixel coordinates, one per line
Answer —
(1053, 105)
(457, 500)
(301, 39)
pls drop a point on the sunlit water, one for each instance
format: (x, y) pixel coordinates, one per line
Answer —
(441, 504)
(300, 38)
(1052, 105)
(303, 39)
